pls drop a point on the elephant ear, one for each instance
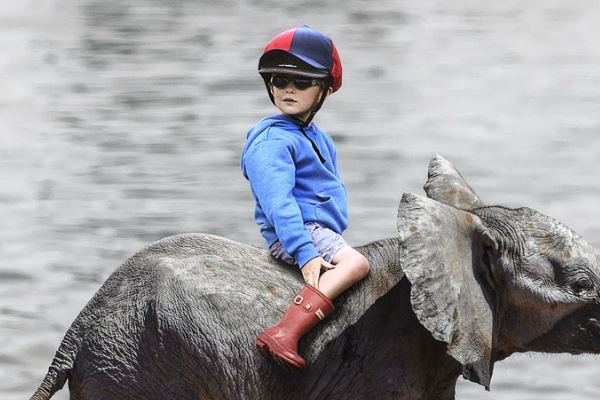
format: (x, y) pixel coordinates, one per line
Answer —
(442, 256)
(446, 185)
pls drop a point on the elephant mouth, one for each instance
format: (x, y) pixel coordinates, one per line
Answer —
(576, 334)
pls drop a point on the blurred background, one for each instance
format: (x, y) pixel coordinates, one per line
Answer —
(122, 122)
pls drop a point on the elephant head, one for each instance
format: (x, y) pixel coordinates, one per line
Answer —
(491, 281)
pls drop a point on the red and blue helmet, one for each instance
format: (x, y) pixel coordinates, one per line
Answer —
(302, 51)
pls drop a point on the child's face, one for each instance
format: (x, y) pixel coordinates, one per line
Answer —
(295, 102)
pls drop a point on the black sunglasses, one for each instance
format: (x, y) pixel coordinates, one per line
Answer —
(299, 82)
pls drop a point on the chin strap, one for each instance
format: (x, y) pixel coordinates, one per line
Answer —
(266, 80)
(318, 106)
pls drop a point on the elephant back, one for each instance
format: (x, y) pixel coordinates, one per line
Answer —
(210, 265)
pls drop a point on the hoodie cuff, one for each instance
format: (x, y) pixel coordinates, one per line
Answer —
(306, 253)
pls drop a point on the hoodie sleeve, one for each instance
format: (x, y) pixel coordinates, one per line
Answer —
(270, 168)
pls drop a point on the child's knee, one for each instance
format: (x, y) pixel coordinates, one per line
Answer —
(361, 266)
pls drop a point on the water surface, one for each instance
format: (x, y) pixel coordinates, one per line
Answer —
(122, 122)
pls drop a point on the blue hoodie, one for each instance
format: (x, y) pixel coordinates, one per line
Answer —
(294, 180)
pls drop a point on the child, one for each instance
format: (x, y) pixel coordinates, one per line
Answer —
(301, 203)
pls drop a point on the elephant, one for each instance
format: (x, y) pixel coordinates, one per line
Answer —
(461, 286)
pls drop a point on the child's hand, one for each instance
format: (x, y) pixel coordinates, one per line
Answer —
(312, 270)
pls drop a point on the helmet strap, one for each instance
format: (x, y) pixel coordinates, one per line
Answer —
(266, 79)
(317, 107)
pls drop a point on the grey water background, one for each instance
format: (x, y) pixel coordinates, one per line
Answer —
(122, 122)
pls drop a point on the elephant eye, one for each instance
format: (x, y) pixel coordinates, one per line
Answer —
(581, 285)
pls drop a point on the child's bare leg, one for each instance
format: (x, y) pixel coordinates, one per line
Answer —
(280, 341)
(350, 267)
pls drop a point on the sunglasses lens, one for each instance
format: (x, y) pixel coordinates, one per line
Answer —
(282, 81)
(303, 83)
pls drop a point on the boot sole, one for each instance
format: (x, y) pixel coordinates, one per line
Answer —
(266, 348)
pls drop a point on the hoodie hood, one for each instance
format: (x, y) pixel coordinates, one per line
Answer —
(262, 127)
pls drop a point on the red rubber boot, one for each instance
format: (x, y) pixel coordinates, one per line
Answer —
(280, 341)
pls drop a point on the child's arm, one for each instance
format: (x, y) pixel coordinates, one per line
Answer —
(270, 168)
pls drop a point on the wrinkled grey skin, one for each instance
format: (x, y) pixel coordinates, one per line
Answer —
(462, 286)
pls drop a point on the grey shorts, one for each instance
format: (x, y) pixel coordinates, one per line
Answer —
(326, 241)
